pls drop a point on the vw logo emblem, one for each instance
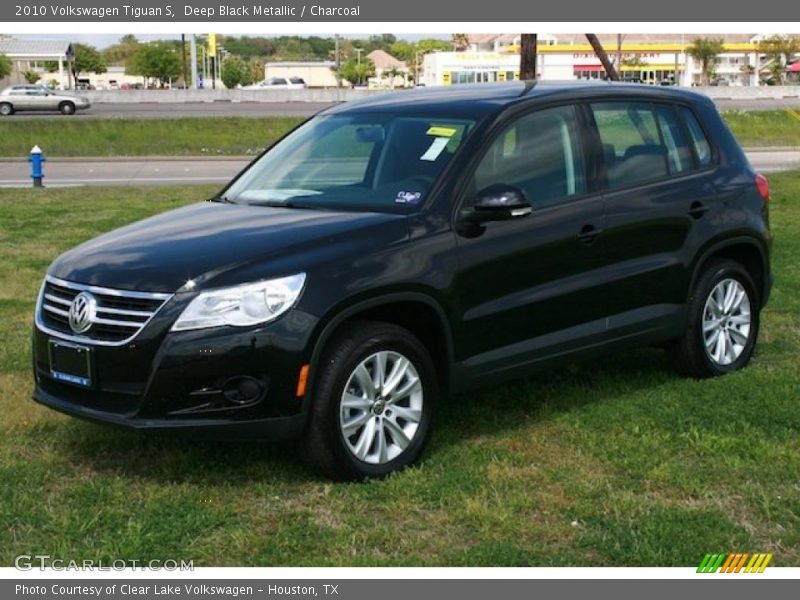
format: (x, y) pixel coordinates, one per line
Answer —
(82, 311)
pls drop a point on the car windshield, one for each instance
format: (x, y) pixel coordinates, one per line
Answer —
(369, 162)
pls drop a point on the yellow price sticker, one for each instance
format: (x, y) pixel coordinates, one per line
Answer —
(442, 131)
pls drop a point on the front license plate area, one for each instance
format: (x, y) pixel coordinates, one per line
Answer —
(71, 363)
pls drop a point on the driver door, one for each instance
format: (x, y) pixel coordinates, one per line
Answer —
(533, 286)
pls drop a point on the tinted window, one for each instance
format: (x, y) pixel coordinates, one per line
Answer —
(381, 162)
(539, 153)
(679, 156)
(632, 147)
(701, 146)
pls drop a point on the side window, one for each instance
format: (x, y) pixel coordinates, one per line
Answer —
(701, 146)
(632, 147)
(539, 153)
(679, 156)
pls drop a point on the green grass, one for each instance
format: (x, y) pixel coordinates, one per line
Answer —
(614, 462)
(232, 136)
(765, 127)
(142, 137)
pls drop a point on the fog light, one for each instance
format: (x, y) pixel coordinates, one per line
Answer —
(243, 390)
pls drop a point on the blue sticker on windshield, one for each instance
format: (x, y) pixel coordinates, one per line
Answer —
(408, 197)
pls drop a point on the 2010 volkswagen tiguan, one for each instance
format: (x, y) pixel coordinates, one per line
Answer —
(395, 250)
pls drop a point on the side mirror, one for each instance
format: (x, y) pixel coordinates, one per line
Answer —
(498, 202)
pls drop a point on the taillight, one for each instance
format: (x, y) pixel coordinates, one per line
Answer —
(763, 186)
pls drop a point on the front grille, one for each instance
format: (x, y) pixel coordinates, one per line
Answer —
(119, 315)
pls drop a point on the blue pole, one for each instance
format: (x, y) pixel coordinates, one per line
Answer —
(37, 159)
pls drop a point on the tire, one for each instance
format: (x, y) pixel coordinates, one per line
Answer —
(67, 108)
(6, 109)
(699, 353)
(360, 455)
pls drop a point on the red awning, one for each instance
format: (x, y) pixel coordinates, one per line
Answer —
(587, 68)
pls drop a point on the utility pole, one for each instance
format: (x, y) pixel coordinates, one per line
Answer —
(527, 56)
(359, 51)
(337, 59)
(212, 57)
(183, 59)
(193, 50)
(612, 73)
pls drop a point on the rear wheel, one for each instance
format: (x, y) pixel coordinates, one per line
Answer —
(372, 403)
(66, 108)
(6, 109)
(723, 322)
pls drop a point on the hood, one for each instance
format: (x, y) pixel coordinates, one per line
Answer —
(203, 241)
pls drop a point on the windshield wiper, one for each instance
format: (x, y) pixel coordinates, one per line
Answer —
(223, 199)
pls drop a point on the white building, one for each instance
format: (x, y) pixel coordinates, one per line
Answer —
(34, 55)
(647, 58)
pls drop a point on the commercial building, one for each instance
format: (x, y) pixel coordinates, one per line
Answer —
(647, 58)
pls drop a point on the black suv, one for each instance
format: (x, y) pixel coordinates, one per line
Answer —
(391, 251)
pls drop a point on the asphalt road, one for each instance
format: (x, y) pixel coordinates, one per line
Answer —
(218, 171)
(298, 109)
(185, 109)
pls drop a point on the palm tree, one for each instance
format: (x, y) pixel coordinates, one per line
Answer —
(460, 42)
(706, 51)
(391, 74)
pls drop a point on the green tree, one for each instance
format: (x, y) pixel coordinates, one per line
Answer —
(234, 72)
(706, 50)
(779, 50)
(123, 51)
(357, 73)
(255, 71)
(87, 60)
(392, 73)
(5, 66)
(51, 66)
(157, 60)
(31, 76)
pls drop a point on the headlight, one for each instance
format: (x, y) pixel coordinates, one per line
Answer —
(242, 305)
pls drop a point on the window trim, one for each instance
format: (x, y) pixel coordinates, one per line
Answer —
(709, 140)
(605, 188)
(512, 114)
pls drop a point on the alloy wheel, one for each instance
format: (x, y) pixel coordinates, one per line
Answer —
(726, 322)
(381, 407)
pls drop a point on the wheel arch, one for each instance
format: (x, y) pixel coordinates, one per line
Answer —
(417, 312)
(747, 251)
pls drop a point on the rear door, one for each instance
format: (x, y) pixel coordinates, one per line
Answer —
(532, 287)
(657, 197)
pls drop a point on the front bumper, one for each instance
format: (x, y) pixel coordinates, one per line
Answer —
(179, 381)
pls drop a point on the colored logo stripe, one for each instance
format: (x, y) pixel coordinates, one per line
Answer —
(737, 562)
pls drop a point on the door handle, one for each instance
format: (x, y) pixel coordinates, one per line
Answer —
(698, 209)
(588, 233)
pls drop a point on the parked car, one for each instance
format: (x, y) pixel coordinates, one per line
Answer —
(278, 83)
(392, 252)
(38, 97)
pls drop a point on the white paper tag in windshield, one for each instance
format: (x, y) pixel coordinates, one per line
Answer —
(435, 149)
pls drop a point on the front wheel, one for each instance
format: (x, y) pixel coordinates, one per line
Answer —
(372, 403)
(723, 322)
(67, 108)
(6, 109)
